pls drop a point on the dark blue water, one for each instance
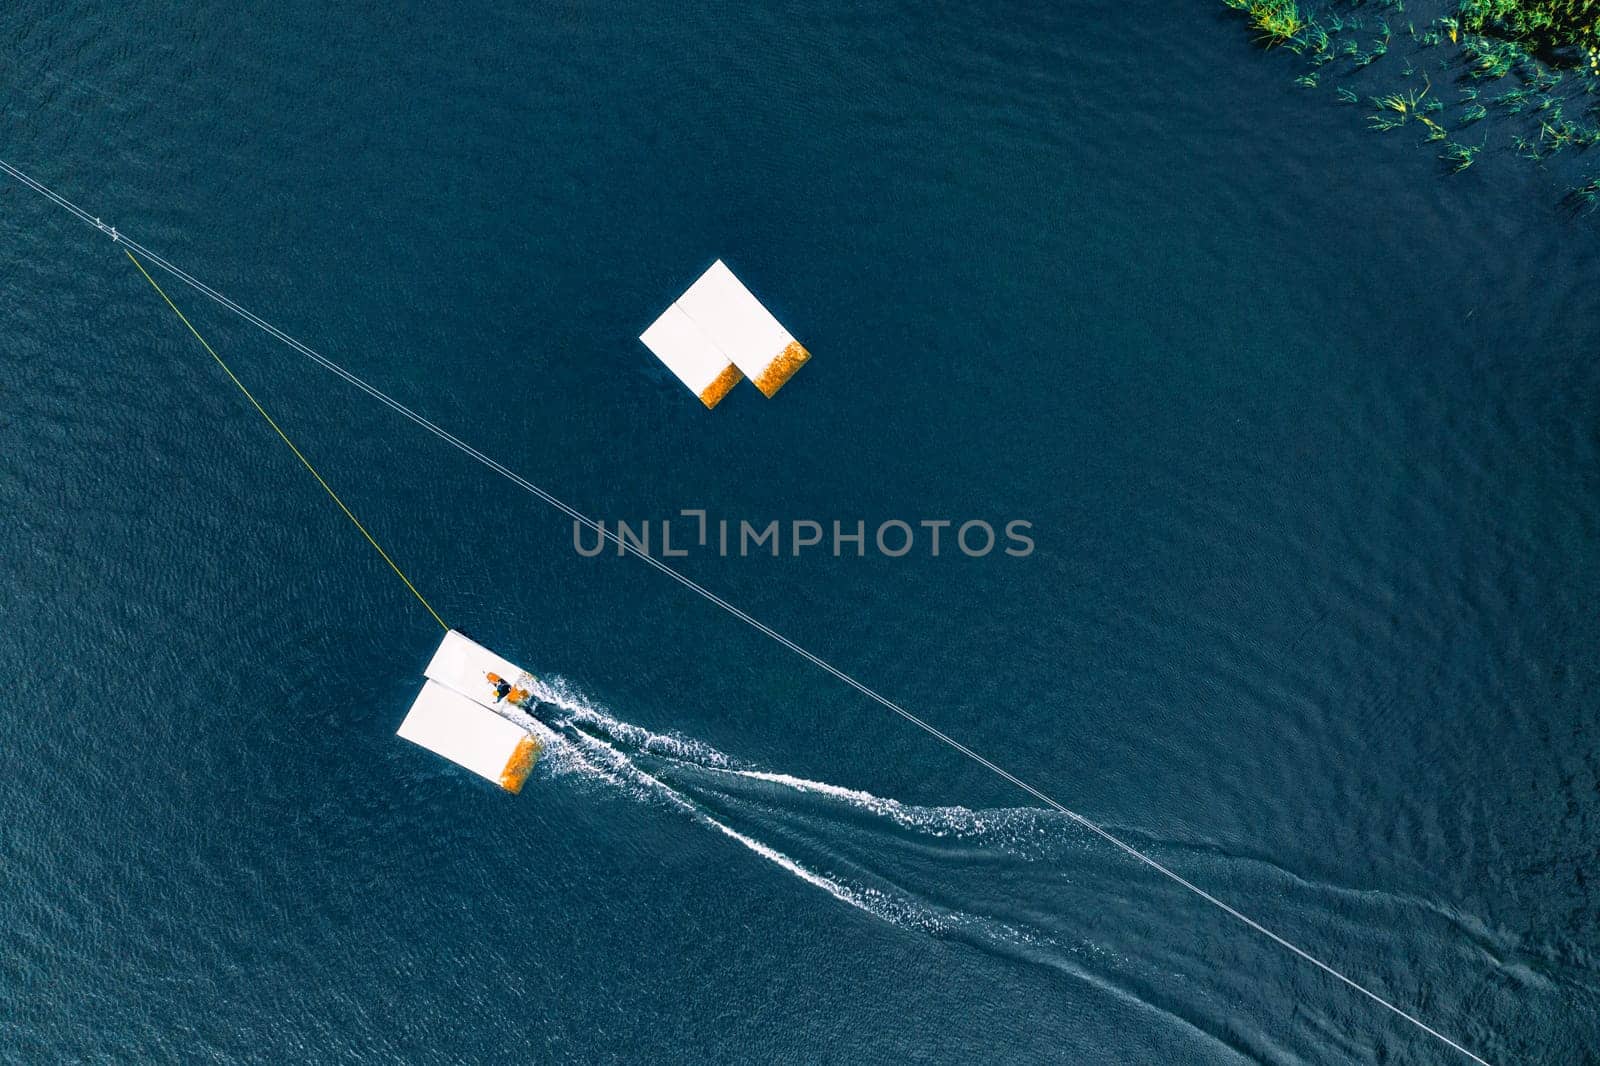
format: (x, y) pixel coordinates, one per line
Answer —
(1307, 433)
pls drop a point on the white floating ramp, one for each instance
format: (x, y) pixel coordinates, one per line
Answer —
(459, 713)
(718, 332)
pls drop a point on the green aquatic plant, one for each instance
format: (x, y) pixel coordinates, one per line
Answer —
(1396, 108)
(1587, 194)
(1379, 49)
(1543, 78)
(1307, 81)
(1490, 59)
(1348, 95)
(1473, 114)
(1565, 133)
(1556, 137)
(1279, 21)
(1460, 156)
(1513, 101)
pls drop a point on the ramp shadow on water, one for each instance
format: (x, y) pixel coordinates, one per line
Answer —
(1028, 885)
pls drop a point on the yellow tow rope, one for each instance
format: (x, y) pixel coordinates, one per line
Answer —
(297, 454)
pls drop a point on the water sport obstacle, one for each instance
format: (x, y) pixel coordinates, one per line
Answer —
(460, 713)
(624, 546)
(717, 333)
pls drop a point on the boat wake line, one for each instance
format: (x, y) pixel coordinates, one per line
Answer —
(1024, 884)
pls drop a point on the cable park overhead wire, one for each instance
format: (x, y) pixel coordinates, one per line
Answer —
(625, 547)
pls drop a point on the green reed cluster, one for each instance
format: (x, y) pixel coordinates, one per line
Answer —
(1541, 23)
(1279, 21)
(1496, 50)
(1460, 156)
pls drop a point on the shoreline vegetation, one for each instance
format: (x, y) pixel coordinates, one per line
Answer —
(1534, 63)
(1544, 25)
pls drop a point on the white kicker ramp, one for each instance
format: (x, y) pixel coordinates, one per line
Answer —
(455, 715)
(718, 332)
